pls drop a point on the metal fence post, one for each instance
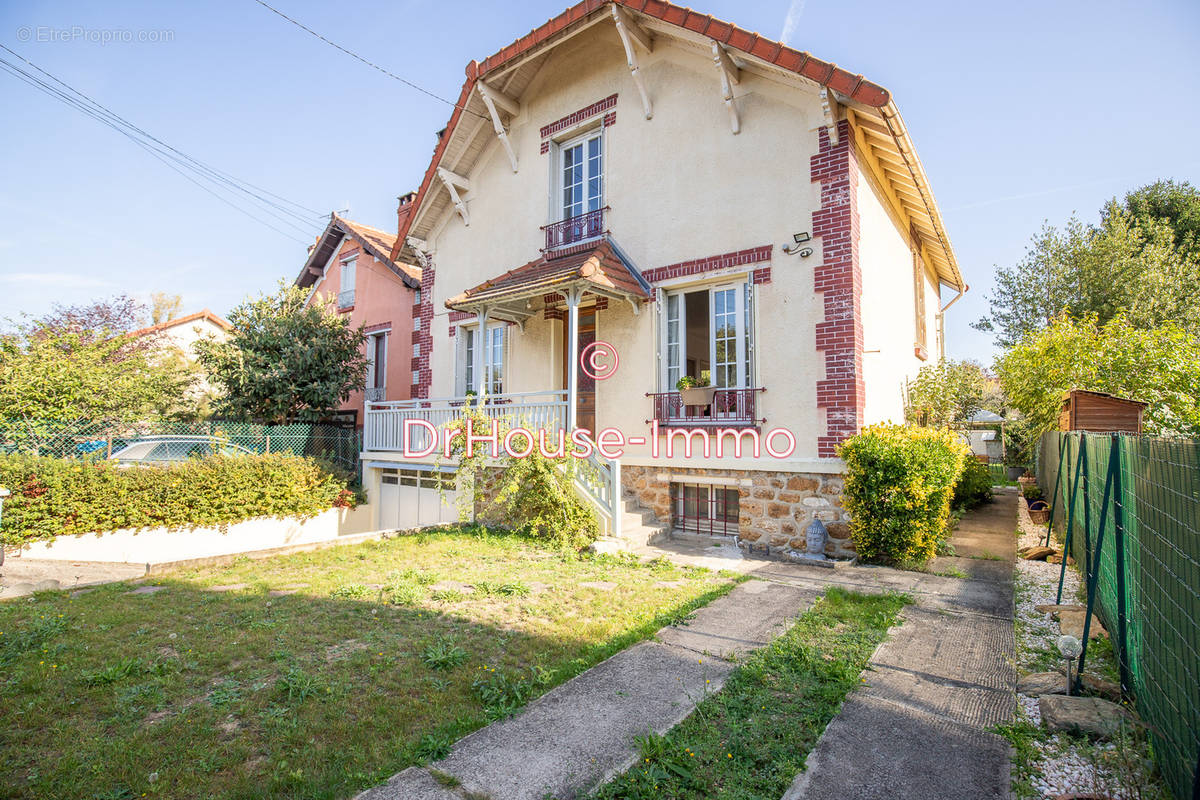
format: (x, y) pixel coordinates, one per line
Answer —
(1087, 507)
(1054, 497)
(1093, 574)
(1119, 529)
(1070, 517)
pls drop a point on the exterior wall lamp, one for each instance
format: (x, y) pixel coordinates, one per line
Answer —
(800, 240)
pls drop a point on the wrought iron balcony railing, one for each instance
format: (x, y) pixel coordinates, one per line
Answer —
(575, 229)
(345, 299)
(374, 394)
(730, 408)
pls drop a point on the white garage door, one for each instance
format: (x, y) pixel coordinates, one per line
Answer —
(410, 498)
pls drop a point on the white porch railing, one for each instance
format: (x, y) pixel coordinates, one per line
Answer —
(384, 432)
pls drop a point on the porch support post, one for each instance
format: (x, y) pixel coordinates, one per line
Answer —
(481, 356)
(573, 296)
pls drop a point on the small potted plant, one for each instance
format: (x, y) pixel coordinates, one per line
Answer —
(694, 393)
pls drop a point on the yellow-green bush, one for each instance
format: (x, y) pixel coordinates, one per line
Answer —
(898, 486)
(58, 497)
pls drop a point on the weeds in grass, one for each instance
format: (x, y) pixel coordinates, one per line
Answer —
(498, 589)
(349, 591)
(448, 596)
(444, 778)
(225, 693)
(501, 694)
(433, 747)
(296, 685)
(30, 637)
(443, 654)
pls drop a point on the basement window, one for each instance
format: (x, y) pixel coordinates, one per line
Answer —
(702, 508)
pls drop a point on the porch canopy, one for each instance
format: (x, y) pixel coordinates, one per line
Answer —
(598, 268)
(558, 278)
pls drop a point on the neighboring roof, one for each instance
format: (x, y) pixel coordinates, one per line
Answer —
(871, 103)
(601, 269)
(376, 242)
(983, 415)
(204, 314)
(1105, 395)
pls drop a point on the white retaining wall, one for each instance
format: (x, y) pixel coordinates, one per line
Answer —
(159, 545)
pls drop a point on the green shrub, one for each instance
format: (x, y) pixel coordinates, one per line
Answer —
(60, 497)
(899, 481)
(1032, 492)
(974, 487)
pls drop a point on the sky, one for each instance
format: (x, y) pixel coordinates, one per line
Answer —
(1022, 112)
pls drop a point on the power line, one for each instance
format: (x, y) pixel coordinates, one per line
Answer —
(167, 153)
(370, 64)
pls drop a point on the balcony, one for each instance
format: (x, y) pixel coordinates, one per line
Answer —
(575, 230)
(345, 299)
(384, 430)
(374, 394)
(730, 408)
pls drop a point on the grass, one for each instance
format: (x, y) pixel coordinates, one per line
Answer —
(329, 672)
(751, 739)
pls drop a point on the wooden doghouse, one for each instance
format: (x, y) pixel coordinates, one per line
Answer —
(1100, 413)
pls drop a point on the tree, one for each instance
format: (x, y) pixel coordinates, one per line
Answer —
(1142, 261)
(83, 363)
(164, 307)
(945, 393)
(1159, 366)
(285, 359)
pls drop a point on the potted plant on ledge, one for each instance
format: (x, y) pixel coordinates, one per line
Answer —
(694, 393)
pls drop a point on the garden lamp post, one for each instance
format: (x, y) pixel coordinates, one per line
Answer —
(1070, 648)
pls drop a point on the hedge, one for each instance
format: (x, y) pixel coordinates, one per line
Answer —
(60, 497)
(898, 484)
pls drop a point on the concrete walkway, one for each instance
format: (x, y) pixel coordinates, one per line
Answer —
(582, 733)
(918, 727)
(23, 576)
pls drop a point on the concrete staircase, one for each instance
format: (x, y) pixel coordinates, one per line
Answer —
(639, 528)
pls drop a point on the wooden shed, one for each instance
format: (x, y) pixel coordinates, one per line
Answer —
(1100, 413)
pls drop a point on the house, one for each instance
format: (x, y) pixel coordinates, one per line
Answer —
(352, 266)
(703, 202)
(182, 333)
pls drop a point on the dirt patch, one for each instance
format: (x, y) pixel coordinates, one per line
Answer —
(344, 650)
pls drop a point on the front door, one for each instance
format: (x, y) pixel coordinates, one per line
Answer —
(585, 404)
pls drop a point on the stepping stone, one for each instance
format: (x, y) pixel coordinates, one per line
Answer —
(281, 592)
(1038, 553)
(1089, 715)
(669, 584)
(1070, 623)
(147, 590)
(19, 589)
(1053, 609)
(604, 586)
(47, 585)
(229, 587)
(1040, 683)
(81, 592)
(452, 586)
(1110, 690)
(294, 586)
(1057, 559)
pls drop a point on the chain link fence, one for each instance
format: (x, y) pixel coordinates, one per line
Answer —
(337, 444)
(1128, 508)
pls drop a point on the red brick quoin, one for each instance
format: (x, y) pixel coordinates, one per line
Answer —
(839, 279)
(424, 337)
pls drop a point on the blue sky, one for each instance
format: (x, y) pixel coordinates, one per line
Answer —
(1021, 112)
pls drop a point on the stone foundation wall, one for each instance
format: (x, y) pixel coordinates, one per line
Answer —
(773, 510)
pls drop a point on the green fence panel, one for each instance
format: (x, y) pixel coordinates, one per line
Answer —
(1151, 577)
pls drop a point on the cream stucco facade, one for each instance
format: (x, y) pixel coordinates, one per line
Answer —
(698, 194)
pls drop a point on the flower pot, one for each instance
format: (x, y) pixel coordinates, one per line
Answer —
(1039, 512)
(1015, 472)
(698, 395)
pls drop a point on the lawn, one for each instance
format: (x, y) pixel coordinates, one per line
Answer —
(313, 675)
(750, 740)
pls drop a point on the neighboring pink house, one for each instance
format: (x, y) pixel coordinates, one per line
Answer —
(351, 264)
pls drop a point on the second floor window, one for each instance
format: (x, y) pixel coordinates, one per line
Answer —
(348, 274)
(581, 175)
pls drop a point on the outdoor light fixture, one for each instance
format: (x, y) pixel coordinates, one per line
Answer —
(800, 239)
(1070, 648)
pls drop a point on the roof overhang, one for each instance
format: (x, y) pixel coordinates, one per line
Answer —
(331, 239)
(868, 106)
(600, 269)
